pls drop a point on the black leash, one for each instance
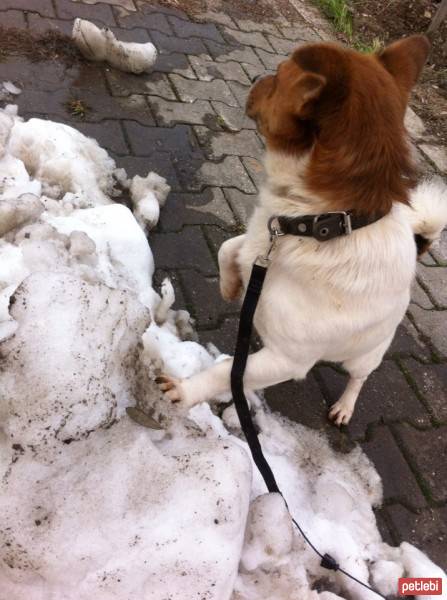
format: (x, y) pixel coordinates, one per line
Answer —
(248, 309)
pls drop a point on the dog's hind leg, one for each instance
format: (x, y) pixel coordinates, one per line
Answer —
(230, 278)
(264, 368)
(358, 368)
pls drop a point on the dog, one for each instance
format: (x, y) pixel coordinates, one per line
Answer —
(333, 123)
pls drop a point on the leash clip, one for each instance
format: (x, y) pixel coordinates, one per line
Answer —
(275, 233)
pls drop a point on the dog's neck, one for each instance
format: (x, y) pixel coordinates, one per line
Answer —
(285, 186)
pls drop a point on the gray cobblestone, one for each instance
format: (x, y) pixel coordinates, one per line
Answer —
(187, 29)
(154, 21)
(66, 9)
(431, 382)
(233, 118)
(168, 113)
(399, 482)
(439, 250)
(255, 169)
(174, 63)
(243, 143)
(13, 18)
(160, 162)
(108, 135)
(247, 25)
(433, 325)
(431, 466)
(223, 53)
(281, 45)
(419, 297)
(300, 33)
(269, 60)
(178, 140)
(167, 44)
(240, 92)
(437, 155)
(207, 70)
(434, 280)
(229, 172)
(189, 90)
(204, 207)
(43, 7)
(39, 24)
(187, 248)
(125, 84)
(254, 38)
(216, 17)
(242, 204)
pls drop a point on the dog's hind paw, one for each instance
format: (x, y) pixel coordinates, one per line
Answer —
(340, 413)
(171, 388)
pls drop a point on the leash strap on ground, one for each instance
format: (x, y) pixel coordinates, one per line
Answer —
(248, 309)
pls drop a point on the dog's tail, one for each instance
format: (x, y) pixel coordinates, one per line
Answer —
(428, 216)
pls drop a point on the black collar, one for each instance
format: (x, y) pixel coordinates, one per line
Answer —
(323, 227)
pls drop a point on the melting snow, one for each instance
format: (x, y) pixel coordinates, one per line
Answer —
(93, 505)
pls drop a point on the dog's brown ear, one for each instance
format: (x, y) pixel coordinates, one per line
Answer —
(307, 89)
(405, 59)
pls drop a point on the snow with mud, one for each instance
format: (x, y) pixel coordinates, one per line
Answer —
(92, 504)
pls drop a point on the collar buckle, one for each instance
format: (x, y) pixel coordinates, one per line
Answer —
(331, 224)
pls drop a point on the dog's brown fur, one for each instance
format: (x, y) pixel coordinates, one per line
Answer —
(322, 97)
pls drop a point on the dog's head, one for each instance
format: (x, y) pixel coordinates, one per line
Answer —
(348, 109)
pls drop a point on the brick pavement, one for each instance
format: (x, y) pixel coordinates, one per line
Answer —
(186, 121)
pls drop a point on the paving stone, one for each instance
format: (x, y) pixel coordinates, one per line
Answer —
(281, 45)
(223, 336)
(242, 204)
(146, 8)
(167, 113)
(153, 21)
(203, 295)
(188, 29)
(386, 397)
(124, 4)
(240, 92)
(228, 172)
(39, 24)
(66, 9)
(207, 70)
(179, 141)
(160, 162)
(431, 382)
(232, 118)
(168, 43)
(254, 71)
(399, 483)
(299, 401)
(439, 249)
(240, 54)
(174, 63)
(433, 326)
(207, 207)
(247, 25)
(428, 260)
(216, 145)
(419, 297)
(414, 124)
(407, 342)
(187, 248)
(125, 84)
(215, 237)
(108, 134)
(12, 18)
(216, 17)
(255, 169)
(427, 451)
(138, 34)
(300, 33)
(437, 154)
(434, 280)
(254, 38)
(189, 90)
(43, 7)
(426, 530)
(271, 61)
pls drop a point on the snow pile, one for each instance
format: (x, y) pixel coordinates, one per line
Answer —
(93, 505)
(102, 45)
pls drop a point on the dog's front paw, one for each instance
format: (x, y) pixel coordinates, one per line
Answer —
(340, 413)
(230, 289)
(171, 387)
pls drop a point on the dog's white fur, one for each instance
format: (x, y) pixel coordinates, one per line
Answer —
(339, 300)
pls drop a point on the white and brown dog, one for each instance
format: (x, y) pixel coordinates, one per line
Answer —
(333, 122)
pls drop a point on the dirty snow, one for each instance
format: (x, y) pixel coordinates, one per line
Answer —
(102, 45)
(93, 505)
